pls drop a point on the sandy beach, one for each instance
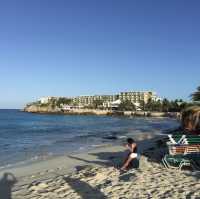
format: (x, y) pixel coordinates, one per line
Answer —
(93, 175)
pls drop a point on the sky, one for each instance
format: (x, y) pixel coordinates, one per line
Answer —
(76, 47)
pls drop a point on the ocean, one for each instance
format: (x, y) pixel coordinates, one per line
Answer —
(27, 137)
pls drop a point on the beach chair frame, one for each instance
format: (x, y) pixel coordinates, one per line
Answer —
(180, 164)
(173, 141)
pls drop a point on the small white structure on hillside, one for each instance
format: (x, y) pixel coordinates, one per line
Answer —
(137, 106)
(67, 107)
(45, 100)
(114, 104)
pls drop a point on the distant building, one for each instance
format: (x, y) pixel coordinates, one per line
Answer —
(138, 96)
(88, 100)
(107, 101)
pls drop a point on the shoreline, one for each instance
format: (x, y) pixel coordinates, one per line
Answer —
(59, 144)
(103, 112)
(28, 168)
(115, 144)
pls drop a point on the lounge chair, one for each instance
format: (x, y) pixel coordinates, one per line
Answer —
(184, 149)
(179, 160)
(175, 161)
(183, 139)
(191, 140)
(175, 139)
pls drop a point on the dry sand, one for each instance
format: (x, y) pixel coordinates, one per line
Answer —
(92, 175)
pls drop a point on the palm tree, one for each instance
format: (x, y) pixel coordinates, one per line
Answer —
(63, 100)
(165, 105)
(196, 95)
(142, 105)
(97, 103)
(126, 106)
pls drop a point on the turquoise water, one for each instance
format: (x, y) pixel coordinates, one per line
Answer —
(28, 137)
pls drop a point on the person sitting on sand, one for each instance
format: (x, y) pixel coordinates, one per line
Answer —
(132, 146)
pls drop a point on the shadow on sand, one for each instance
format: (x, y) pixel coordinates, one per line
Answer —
(109, 159)
(194, 174)
(154, 153)
(83, 189)
(6, 183)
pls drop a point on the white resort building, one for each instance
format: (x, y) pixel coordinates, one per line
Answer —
(136, 97)
(106, 101)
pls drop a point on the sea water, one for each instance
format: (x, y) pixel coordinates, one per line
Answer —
(28, 137)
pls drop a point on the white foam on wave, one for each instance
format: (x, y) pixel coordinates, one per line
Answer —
(27, 161)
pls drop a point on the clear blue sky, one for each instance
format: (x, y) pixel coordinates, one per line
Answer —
(67, 48)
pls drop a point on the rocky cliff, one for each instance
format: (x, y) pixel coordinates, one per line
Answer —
(191, 119)
(41, 109)
(50, 109)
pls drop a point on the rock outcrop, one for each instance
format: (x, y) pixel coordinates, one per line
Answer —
(191, 119)
(41, 109)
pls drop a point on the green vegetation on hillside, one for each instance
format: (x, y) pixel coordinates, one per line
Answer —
(163, 106)
(63, 100)
(127, 106)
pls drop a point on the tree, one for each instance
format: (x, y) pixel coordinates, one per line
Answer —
(142, 105)
(163, 106)
(97, 103)
(157, 106)
(166, 105)
(148, 105)
(196, 95)
(63, 100)
(174, 106)
(184, 105)
(127, 105)
(153, 105)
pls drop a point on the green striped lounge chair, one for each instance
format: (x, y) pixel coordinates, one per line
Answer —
(176, 161)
